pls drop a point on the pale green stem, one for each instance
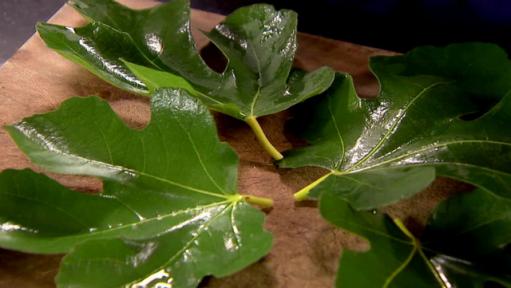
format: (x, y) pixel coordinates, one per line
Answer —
(262, 202)
(261, 137)
(399, 223)
(304, 192)
(417, 247)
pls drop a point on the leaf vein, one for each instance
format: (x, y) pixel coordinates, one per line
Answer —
(341, 141)
(199, 158)
(190, 242)
(396, 123)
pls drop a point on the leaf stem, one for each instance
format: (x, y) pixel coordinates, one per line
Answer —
(261, 137)
(304, 192)
(399, 223)
(418, 247)
(262, 202)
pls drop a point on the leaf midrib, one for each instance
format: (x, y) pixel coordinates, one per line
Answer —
(188, 243)
(421, 150)
(389, 132)
(412, 242)
(131, 225)
(78, 221)
(199, 158)
(339, 135)
(417, 248)
(259, 79)
(353, 169)
(117, 168)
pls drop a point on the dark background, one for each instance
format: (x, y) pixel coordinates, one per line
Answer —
(397, 25)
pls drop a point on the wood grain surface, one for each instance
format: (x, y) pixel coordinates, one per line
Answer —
(306, 249)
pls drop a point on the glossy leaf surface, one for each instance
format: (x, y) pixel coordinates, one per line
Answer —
(99, 48)
(161, 34)
(258, 42)
(460, 248)
(169, 212)
(427, 120)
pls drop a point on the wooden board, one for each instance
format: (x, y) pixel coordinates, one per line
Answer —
(306, 249)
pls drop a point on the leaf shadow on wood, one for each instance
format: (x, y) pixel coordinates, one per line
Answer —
(257, 275)
(27, 270)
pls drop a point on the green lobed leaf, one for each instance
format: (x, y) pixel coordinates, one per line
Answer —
(169, 212)
(437, 113)
(465, 245)
(258, 42)
(427, 120)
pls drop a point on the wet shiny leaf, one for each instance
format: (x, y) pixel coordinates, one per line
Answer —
(99, 48)
(441, 111)
(258, 42)
(465, 245)
(143, 50)
(169, 213)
